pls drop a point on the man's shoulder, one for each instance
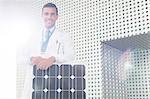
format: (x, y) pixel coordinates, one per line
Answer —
(62, 34)
(58, 30)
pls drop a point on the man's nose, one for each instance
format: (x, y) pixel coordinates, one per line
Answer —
(50, 16)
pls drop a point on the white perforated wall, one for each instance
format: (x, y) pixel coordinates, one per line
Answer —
(138, 76)
(113, 73)
(125, 74)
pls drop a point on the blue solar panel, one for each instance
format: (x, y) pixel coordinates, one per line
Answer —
(59, 82)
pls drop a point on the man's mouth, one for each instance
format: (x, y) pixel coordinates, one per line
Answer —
(49, 21)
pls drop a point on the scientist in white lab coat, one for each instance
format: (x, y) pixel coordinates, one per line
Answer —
(52, 46)
(55, 45)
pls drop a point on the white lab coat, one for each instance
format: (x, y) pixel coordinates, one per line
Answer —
(60, 46)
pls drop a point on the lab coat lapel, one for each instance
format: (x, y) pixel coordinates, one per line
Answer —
(52, 45)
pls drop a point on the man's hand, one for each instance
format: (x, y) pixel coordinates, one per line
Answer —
(35, 60)
(42, 63)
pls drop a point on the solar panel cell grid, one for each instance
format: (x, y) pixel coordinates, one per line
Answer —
(59, 82)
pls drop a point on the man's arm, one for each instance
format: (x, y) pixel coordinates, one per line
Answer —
(65, 54)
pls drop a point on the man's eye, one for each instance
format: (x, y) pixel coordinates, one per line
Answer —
(52, 14)
(45, 13)
(49, 14)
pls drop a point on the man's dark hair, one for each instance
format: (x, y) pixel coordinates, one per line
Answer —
(51, 5)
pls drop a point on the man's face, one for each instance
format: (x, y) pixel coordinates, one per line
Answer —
(49, 16)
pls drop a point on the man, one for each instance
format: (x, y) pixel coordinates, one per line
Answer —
(53, 46)
(56, 45)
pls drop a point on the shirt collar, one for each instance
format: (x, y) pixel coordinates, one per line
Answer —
(50, 29)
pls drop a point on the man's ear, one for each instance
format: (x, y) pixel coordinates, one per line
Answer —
(57, 17)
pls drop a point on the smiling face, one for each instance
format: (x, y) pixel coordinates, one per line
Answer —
(49, 16)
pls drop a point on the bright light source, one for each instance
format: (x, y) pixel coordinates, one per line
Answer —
(127, 66)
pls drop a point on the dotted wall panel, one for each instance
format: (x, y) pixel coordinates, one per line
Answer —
(59, 82)
(125, 73)
(138, 75)
(107, 19)
(113, 74)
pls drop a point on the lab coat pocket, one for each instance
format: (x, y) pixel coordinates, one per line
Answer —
(59, 48)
